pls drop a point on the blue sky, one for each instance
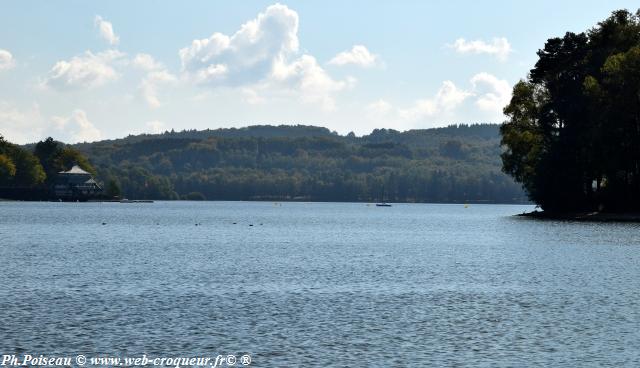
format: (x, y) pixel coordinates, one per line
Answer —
(83, 71)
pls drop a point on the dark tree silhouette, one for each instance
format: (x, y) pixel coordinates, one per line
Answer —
(572, 137)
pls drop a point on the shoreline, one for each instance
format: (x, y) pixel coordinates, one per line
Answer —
(281, 200)
(584, 216)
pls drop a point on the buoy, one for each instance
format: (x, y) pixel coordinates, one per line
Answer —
(104, 223)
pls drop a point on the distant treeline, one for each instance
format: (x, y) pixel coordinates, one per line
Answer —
(454, 164)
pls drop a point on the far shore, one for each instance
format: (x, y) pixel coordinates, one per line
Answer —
(274, 199)
(585, 216)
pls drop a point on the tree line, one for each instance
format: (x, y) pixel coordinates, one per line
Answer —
(458, 163)
(452, 164)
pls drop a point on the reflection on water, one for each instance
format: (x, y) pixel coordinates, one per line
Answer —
(319, 284)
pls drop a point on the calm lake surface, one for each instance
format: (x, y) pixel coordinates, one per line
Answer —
(319, 284)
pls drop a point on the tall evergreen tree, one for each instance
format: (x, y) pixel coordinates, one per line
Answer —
(572, 137)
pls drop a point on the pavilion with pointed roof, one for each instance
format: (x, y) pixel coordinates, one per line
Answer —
(75, 184)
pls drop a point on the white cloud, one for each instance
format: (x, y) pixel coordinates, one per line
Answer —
(91, 70)
(76, 127)
(498, 47)
(6, 60)
(156, 74)
(212, 73)
(106, 30)
(306, 78)
(493, 94)
(149, 86)
(446, 100)
(146, 62)
(88, 70)
(249, 54)
(261, 59)
(482, 100)
(28, 125)
(358, 55)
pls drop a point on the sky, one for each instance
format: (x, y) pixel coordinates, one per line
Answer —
(85, 71)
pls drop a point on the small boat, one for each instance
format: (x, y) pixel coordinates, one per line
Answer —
(383, 203)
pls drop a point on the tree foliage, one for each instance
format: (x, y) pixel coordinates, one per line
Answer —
(18, 166)
(56, 157)
(572, 137)
(27, 175)
(453, 164)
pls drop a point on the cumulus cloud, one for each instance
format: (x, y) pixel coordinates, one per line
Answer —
(146, 62)
(6, 60)
(106, 30)
(358, 55)
(91, 70)
(156, 74)
(498, 47)
(483, 99)
(306, 77)
(446, 99)
(76, 127)
(149, 86)
(88, 70)
(249, 54)
(261, 59)
(493, 94)
(27, 125)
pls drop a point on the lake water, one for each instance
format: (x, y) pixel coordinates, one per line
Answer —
(319, 284)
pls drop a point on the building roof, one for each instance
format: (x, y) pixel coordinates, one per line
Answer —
(75, 170)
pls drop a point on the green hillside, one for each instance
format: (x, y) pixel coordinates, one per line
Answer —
(454, 164)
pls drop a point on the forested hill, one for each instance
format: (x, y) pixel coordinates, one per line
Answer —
(454, 164)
